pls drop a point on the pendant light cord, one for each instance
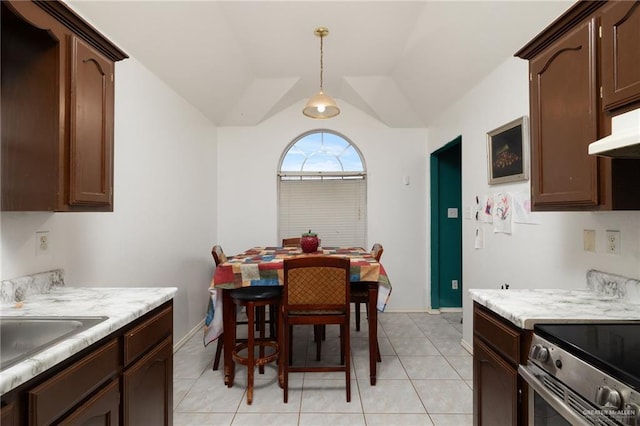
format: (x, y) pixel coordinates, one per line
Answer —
(321, 61)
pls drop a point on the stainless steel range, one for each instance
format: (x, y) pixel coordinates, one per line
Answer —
(584, 374)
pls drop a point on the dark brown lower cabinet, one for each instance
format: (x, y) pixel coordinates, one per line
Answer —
(8, 414)
(499, 394)
(53, 398)
(495, 402)
(148, 394)
(124, 379)
(101, 410)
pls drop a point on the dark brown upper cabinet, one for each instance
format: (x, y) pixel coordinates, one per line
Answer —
(57, 99)
(568, 81)
(620, 29)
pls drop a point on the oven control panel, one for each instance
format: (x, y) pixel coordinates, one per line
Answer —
(606, 393)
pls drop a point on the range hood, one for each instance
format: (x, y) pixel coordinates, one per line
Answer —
(624, 141)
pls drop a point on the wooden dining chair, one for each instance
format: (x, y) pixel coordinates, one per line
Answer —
(219, 257)
(255, 299)
(218, 254)
(360, 294)
(291, 242)
(316, 292)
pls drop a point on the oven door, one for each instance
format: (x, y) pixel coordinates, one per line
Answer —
(552, 403)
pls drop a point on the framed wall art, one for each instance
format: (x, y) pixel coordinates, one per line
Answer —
(508, 152)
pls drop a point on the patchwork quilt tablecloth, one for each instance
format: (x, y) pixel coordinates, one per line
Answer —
(265, 266)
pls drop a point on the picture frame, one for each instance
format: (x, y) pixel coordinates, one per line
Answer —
(508, 152)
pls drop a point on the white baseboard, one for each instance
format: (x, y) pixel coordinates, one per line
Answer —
(450, 309)
(428, 311)
(466, 346)
(180, 343)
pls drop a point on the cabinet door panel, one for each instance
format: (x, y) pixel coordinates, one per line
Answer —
(564, 121)
(495, 388)
(148, 388)
(91, 130)
(620, 24)
(8, 415)
(101, 410)
(28, 59)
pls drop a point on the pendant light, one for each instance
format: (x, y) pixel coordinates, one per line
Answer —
(321, 105)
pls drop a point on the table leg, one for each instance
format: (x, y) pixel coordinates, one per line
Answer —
(373, 331)
(229, 336)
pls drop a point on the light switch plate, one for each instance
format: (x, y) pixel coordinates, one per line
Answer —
(589, 240)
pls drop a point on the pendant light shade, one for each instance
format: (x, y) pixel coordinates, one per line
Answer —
(321, 105)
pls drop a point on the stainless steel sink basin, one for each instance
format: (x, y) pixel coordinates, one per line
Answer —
(22, 337)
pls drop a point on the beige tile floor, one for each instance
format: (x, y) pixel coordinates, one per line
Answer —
(425, 378)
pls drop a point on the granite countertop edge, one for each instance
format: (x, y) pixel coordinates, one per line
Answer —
(527, 307)
(121, 306)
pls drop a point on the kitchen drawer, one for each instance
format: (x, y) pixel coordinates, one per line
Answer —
(54, 397)
(501, 336)
(141, 338)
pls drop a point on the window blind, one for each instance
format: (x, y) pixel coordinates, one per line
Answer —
(333, 208)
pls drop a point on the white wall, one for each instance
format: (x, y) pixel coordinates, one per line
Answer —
(164, 220)
(547, 255)
(248, 161)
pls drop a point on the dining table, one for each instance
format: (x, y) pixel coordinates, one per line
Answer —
(265, 266)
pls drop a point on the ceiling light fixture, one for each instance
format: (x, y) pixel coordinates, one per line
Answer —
(321, 105)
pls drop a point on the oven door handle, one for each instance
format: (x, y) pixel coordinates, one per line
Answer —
(550, 398)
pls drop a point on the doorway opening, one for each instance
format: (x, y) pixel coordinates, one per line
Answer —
(446, 226)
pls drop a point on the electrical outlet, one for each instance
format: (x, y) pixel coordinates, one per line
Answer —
(613, 242)
(454, 284)
(589, 240)
(42, 243)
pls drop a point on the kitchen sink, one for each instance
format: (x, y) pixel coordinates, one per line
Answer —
(22, 337)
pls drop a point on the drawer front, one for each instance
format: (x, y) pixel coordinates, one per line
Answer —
(502, 337)
(147, 334)
(56, 396)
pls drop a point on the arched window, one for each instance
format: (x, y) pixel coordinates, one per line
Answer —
(322, 187)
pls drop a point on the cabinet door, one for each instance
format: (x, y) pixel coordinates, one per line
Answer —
(495, 388)
(101, 410)
(8, 415)
(564, 121)
(91, 126)
(620, 23)
(148, 388)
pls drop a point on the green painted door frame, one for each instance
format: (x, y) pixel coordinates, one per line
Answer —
(446, 225)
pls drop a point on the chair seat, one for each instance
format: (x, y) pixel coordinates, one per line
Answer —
(255, 293)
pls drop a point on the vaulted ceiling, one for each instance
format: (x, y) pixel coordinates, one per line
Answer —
(240, 62)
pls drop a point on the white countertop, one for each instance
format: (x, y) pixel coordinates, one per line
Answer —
(120, 305)
(527, 307)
